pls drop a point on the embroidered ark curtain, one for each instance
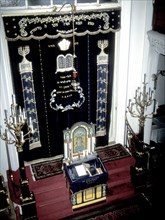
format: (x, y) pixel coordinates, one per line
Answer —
(62, 73)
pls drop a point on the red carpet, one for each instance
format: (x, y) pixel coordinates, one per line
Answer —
(52, 196)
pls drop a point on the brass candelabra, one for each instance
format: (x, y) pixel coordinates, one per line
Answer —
(137, 108)
(19, 130)
(15, 123)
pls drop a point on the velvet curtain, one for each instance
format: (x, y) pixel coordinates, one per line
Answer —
(42, 54)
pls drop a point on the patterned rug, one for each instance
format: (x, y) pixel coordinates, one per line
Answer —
(115, 152)
(53, 167)
(46, 169)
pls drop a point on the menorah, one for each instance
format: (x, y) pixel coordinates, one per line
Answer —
(18, 130)
(138, 108)
(23, 51)
(102, 44)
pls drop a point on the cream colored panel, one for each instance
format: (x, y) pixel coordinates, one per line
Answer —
(98, 191)
(89, 194)
(79, 197)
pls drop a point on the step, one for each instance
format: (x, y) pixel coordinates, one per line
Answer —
(117, 165)
(63, 209)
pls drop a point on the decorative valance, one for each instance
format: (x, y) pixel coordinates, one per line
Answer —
(26, 27)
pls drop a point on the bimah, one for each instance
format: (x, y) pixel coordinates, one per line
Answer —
(86, 175)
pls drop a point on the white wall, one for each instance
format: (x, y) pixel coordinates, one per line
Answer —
(6, 89)
(132, 63)
(155, 59)
(160, 89)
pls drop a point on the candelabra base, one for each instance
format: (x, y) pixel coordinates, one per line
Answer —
(141, 159)
(4, 204)
(28, 206)
(138, 177)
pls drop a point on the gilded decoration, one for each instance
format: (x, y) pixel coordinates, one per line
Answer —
(60, 25)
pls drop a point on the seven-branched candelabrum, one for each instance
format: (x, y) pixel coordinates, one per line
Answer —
(15, 124)
(142, 100)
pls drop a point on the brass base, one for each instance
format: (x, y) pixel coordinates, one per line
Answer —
(4, 199)
(29, 210)
(88, 203)
(138, 177)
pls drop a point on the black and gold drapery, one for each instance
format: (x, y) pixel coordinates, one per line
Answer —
(52, 26)
(42, 34)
